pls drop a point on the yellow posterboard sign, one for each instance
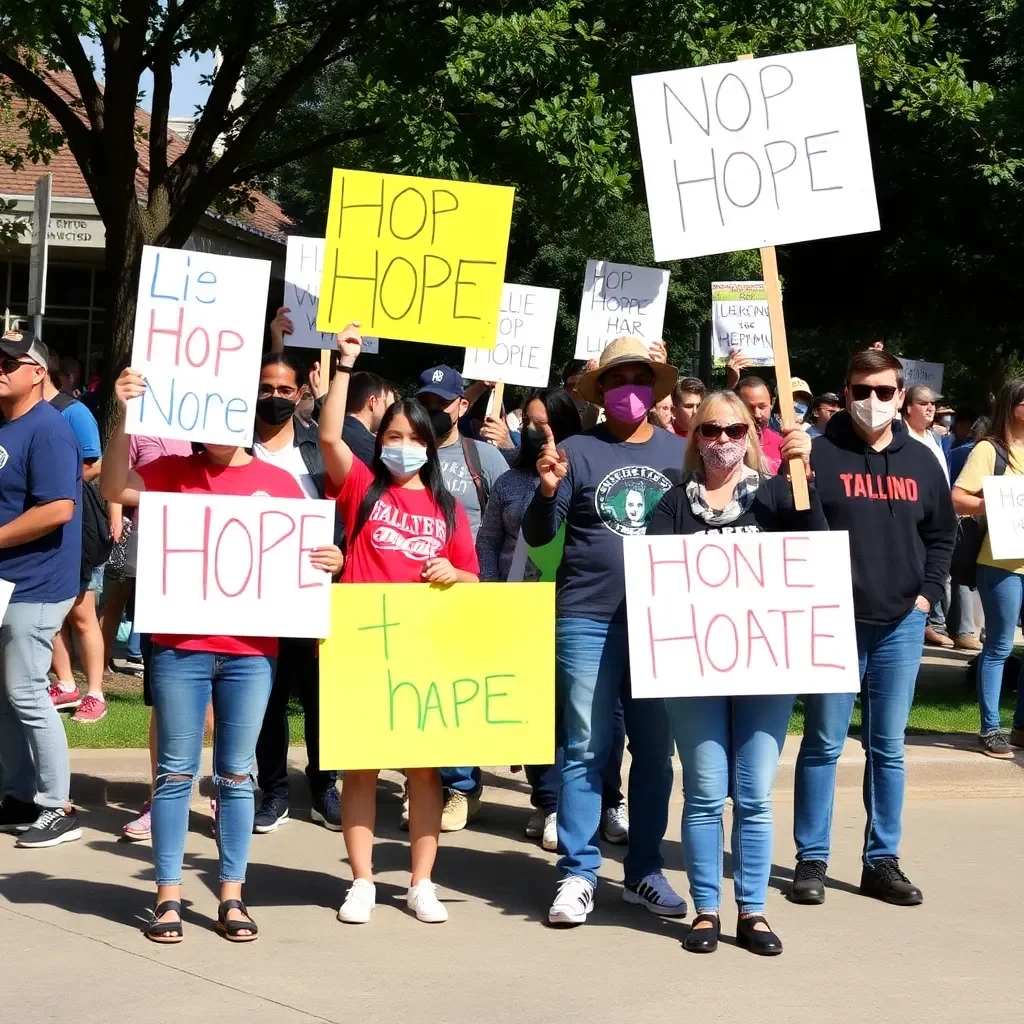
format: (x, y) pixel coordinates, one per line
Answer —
(415, 676)
(417, 259)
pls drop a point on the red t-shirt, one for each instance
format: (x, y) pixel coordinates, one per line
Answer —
(405, 528)
(195, 474)
(771, 449)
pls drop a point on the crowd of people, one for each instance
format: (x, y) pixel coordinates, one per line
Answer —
(624, 446)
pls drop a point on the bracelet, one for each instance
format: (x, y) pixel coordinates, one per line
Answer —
(344, 369)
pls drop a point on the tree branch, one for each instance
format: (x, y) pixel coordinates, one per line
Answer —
(32, 85)
(174, 22)
(271, 163)
(160, 62)
(73, 54)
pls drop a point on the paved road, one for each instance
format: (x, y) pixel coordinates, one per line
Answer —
(72, 950)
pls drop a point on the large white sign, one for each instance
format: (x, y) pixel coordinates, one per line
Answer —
(198, 342)
(726, 614)
(1004, 509)
(618, 300)
(916, 371)
(755, 152)
(303, 268)
(740, 322)
(232, 566)
(526, 332)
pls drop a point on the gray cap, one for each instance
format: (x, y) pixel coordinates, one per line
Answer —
(18, 342)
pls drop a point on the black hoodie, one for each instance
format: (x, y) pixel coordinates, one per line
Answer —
(896, 506)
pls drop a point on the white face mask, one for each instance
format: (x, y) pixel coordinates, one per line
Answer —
(871, 414)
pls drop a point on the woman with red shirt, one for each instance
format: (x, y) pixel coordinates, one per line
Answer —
(402, 526)
(187, 671)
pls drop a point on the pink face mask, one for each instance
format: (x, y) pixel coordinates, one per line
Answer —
(726, 455)
(629, 403)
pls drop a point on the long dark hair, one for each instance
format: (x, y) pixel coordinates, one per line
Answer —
(563, 418)
(415, 412)
(1011, 394)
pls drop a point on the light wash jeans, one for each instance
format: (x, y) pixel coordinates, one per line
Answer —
(183, 684)
(1002, 594)
(729, 746)
(34, 763)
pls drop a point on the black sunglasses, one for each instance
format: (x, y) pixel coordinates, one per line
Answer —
(712, 430)
(9, 364)
(884, 391)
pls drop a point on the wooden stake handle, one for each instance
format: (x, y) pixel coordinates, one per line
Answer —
(499, 397)
(325, 372)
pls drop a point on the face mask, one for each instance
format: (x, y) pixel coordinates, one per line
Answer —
(534, 436)
(441, 421)
(800, 408)
(872, 415)
(629, 403)
(404, 460)
(275, 409)
(726, 455)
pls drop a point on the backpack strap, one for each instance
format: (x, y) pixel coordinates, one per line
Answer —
(1002, 459)
(476, 470)
(60, 401)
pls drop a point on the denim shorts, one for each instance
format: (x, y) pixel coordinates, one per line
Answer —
(95, 581)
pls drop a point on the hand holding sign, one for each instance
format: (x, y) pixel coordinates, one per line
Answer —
(327, 558)
(495, 431)
(439, 570)
(658, 351)
(552, 465)
(131, 384)
(280, 326)
(796, 444)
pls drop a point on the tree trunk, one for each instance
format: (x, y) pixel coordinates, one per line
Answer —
(705, 357)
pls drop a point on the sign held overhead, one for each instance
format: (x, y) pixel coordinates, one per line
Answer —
(619, 299)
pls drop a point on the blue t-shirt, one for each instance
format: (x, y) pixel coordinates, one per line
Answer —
(40, 462)
(86, 429)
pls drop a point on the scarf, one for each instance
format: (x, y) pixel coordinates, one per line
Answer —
(742, 498)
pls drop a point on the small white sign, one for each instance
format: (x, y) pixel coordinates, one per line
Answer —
(916, 371)
(234, 566)
(726, 614)
(526, 333)
(739, 317)
(1004, 510)
(755, 152)
(6, 593)
(618, 300)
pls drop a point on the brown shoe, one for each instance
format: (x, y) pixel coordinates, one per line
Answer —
(967, 642)
(935, 639)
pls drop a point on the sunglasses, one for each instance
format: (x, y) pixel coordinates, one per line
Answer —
(885, 392)
(9, 365)
(712, 430)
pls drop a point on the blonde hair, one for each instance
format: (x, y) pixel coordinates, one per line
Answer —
(693, 461)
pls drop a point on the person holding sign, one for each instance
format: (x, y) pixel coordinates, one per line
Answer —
(236, 671)
(402, 526)
(730, 746)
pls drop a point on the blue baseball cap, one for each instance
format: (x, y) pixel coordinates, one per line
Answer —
(442, 381)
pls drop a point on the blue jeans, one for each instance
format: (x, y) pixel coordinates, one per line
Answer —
(729, 746)
(591, 675)
(889, 660)
(1002, 594)
(134, 647)
(960, 619)
(461, 780)
(183, 683)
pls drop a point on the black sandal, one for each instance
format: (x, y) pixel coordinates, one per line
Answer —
(759, 942)
(230, 929)
(167, 932)
(702, 940)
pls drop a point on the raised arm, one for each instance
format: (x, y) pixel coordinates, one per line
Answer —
(279, 327)
(550, 503)
(118, 482)
(337, 455)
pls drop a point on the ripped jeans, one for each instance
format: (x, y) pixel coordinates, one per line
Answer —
(183, 683)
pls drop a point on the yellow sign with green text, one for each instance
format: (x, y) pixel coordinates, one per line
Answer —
(416, 676)
(417, 259)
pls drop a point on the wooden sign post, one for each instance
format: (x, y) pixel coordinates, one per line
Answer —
(499, 397)
(325, 374)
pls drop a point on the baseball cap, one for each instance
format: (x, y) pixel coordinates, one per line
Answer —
(442, 381)
(828, 398)
(18, 342)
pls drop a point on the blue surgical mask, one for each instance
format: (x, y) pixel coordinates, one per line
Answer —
(800, 408)
(405, 459)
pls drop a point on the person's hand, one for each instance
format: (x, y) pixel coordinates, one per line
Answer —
(327, 558)
(131, 384)
(280, 326)
(796, 444)
(922, 604)
(552, 464)
(116, 527)
(496, 432)
(439, 570)
(658, 351)
(314, 378)
(350, 344)
(734, 368)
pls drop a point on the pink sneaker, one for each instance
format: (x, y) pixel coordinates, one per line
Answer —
(91, 710)
(142, 827)
(61, 699)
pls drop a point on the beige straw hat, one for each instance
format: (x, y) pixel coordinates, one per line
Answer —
(626, 350)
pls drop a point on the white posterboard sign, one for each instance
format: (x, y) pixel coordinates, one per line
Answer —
(618, 300)
(198, 342)
(303, 268)
(739, 318)
(916, 371)
(1004, 510)
(727, 614)
(526, 333)
(6, 593)
(755, 152)
(234, 566)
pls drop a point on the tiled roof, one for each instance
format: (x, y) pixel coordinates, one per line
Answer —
(68, 183)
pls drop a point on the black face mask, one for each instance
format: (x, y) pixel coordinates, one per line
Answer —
(275, 410)
(441, 421)
(535, 436)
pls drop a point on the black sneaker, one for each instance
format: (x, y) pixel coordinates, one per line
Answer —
(808, 882)
(326, 809)
(885, 881)
(51, 828)
(995, 744)
(273, 812)
(16, 815)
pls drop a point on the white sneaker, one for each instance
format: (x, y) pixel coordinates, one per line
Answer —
(535, 825)
(574, 900)
(615, 825)
(422, 900)
(654, 893)
(360, 900)
(550, 838)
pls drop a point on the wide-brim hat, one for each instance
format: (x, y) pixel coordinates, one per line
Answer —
(626, 350)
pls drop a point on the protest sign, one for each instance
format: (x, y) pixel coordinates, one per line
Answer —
(6, 593)
(740, 321)
(1004, 510)
(726, 614)
(237, 566)
(198, 342)
(760, 152)
(399, 689)
(915, 371)
(618, 300)
(530, 565)
(526, 332)
(303, 268)
(417, 259)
